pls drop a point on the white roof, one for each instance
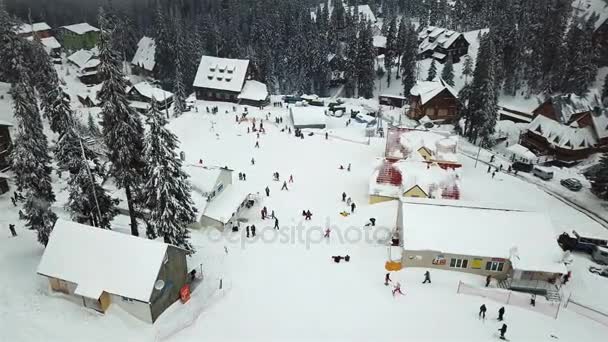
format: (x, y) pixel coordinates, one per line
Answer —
(588, 7)
(443, 146)
(81, 28)
(521, 151)
(147, 90)
(309, 115)
(221, 73)
(427, 90)
(431, 37)
(144, 56)
(526, 238)
(35, 27)
(100, 260)
(254, 90)
(81, 57)
(202, 179)
(379, 41)
(50, 43)
(600, 123)
(222, 207)
(563, 136)
(91, 93)
(92, 63)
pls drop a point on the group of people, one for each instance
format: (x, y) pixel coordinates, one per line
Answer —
(341, 167)
(242, 176)
(501, 316)
(350, 203)
(250, 231)
(214, 110)
(277, 104)
(17, 197)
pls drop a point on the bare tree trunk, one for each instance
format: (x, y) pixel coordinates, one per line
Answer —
(132, 212)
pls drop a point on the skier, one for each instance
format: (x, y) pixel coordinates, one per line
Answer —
(492, 159)
(352, 207)
(263, 214)
(272, 214)
(501, 313)
(349, 201)
(397, 289)
(267, 192)
(427, 277)
(240, 176)
(252, 161)
(244, 176)
(326, 135)
(489, 168)
(257, 144)
(276, 223)
(482, 311)
(348, 168)
(327, 231)
(252, 230)
(493, 174)
(503, 330)
(387, 279)
(373, 221)
(488, 280)
(308, 215)
(533, 300)
(11, 227)
(247, 231)
(344, 197)
(284, 187)
(290, 178)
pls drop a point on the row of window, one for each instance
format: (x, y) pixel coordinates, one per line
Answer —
(211, 94)
(494, 266)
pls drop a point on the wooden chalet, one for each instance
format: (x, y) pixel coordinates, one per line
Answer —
(439, 43)
(569, 127)
(142, 93)
(220, 79)
(436, 100)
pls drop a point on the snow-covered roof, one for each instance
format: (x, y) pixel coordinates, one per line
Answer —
(148, 91)
(600, 123)
(567, 106)
(525, 238)
(364, 11)
(405, 144)
(144, 56)
(308, 115)
(221, 73)
(99, 260)
(586, 8)
(427, 90)
(432, 37)
(35, 27)
(202, 179)
(521, 151)
(81, 57)
(49, 43)
(254, 90)
(81, 28)
(222, 207)
(561, 135)
(91, 93)
(379, 41)
(91, 63)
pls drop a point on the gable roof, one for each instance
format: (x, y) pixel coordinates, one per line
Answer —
(30, 28)
(566, 106)
(427, 90)
(145, 55)
(561, 135)
(254, 90)
(81, 57)
(221, 73)
(432, 37)
(147, 90)
(81, 28)
(99, 260)
(49, 43)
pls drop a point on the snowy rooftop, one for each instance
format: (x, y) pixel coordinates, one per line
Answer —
(223, 206)
(379, 41)
(562, 135)
(308, 115)
(144, 56)
(50, 43)
(526, 238)
(202, 179)
(521, 151)
(432, 37)
(99, 260)
(81, 28)
(427, 90)
(147, 90)
(568, 105)
(254, 90)
(406, 144)
(221, 73)
(586, 8)
(81, 57)
(5, 123)
(600, 123)
(35, 27)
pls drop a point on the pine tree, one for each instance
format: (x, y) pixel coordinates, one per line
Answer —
(11, 53)
(179, 93)
(365, 61)
(31, 157)
(167, 191)
(432, 73)
(92, 126)
(400, 43)
(350, 67)
(122, 127)
(467, 68)
(164, 53)
(447, 74)
(391, 50)
(409, 60)
(599, 181)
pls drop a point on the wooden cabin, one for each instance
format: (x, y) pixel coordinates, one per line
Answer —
(436, 100)
(42, 30)
(439, 43)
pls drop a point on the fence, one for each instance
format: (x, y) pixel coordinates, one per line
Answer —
(519, 299)
(586, 311)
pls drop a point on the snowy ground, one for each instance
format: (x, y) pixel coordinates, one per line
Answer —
(284, 286)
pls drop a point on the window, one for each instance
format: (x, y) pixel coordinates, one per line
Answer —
(459, 263)
(220, 188)
(495, 266)
(126, 299)
(430, 111)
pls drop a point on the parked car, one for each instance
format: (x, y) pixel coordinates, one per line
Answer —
(581, 242)
(600, 255)
(522, 167)
(571, 184)
(542, 173)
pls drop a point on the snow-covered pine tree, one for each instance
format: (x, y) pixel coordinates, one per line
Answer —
(122, 128)
(31, 157)
(350, 63)
(409, 59)
(179, 90)
(447, 74)
(164, 53)
(167, 190)
(391, 49)
(400, 44)
(11, 53)
(432, 73)
(434, 12)
(467, 68)
(365, 61)
(599, 181)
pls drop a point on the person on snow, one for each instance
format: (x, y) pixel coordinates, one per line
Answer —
(247, 231)
(308, 215)
(276, 223)
(500, 168)
(427, 277)
(567, 277)
(482, 311)
(326, 135)
(257, 144)
(488, 280)
(327, 231)
(533, 300)
(489, 168)
(244, 176)
(272, 214)
(284, 187)
(349, 201)
(503, 331)
(237, 118)
(493, 174)
(252, 230)
(290, 178)
(240, 176)
(200, 161)
(341, 167)
(258, 135)
(352, 207)
(492, 158)
(348, 168)
(267, 191)
(344, 197)
(387, 279)
(372, 221)
(397, 289)
(11, 227)
(501, 313)
(263, 212)
(252, 161)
